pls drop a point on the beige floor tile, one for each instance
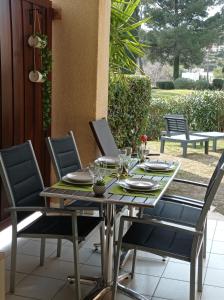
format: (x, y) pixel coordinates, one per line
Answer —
(39, 287)
(217, 247)
(172, 289)
(177, 271)
(14, 297)
(25, 263)
(215, 277)
(68, 291)
(143, 284)
(212, 293)
(147, 266)
(33, 248)
(67, 253)
(216, 261)
(55, 268)
(19, 277)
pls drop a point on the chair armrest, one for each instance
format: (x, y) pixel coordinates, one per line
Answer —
(42, 209)
(183, 200)
(191, 182)
(162, 223)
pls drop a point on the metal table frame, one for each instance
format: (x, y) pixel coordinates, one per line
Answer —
(104, 284)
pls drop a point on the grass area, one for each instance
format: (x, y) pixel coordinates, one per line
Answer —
(169, 93)
(197, 166)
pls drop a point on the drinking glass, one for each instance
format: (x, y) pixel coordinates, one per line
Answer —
(128, 151)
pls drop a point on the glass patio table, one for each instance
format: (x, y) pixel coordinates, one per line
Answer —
(113, 196)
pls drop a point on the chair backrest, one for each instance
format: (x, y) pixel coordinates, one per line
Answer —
(64, 154)
(177, 124)
(21, 177)
(211, 191)
(104, 137)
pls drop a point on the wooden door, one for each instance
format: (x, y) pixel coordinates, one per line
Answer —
(21, 100)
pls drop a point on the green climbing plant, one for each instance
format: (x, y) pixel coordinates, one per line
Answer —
(46, 67)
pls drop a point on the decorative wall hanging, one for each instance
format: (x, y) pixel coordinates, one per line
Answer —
(39, 43)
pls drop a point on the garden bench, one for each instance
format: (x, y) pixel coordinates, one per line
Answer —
(179, 125)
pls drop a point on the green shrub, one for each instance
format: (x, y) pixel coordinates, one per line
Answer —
(201, 84)
(218, 83)
(203, 109)
(165, 85)
(128, 111)
(184, 83)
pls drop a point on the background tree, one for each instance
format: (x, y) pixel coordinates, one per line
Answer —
(180, 30)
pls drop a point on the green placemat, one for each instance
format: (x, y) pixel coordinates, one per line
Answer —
(82, 188)
(117, 190)
(139, 171)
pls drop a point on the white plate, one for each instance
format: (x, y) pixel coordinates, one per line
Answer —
(67, 180)
(157, 166)
(134, 189)
(80, 177)
(109, 160)
(140, 184)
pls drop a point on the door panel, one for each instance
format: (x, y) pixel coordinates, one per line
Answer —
(21, 100)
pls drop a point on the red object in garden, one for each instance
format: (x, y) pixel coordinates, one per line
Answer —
(144, 138)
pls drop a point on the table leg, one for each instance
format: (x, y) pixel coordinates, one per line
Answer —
(214, 146)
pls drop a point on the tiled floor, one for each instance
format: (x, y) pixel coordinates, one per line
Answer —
(156, 279)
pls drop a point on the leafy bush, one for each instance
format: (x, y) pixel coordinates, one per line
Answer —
(165, 85)
(204, 111)
(218, 83)
(128, 111)
(184, 83)
(202, 84)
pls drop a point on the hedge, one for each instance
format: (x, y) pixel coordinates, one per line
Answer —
(128, 110)
(204, 111)
(184, 83)
(165, 85)
(218, 83)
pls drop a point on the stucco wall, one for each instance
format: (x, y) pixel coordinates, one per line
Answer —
(80, 70)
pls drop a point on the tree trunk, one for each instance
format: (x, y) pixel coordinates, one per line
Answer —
(176, 67)
(140, 62)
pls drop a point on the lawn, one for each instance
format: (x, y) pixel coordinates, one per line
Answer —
(196, 166)
(169, 93)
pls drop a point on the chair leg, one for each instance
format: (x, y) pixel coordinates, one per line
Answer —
(162, 145)
(59, 245)
(205, 240)
(185, 150)
(206, 147)
(13, 261)
(133, 263)
(192, 279)
(200, 269)
(42, 251)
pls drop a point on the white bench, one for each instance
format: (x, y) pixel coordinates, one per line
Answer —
(214, 136)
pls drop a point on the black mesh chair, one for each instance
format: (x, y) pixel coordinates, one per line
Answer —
(168, 238)
(65, 158)
(104, 138)
(180, 209)
(23, 183)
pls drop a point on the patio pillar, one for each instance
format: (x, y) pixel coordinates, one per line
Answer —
(80, 70)
(2, 276)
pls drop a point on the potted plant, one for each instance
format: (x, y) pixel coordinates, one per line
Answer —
(99, 187)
